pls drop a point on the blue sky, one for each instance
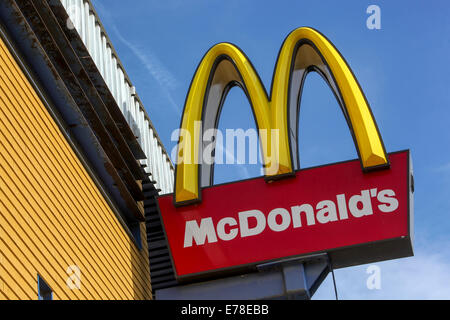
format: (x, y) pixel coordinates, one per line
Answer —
(403, 69)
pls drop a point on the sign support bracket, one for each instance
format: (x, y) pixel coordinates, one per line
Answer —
(292, 279)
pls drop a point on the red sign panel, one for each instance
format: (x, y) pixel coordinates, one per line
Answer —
(356, 217)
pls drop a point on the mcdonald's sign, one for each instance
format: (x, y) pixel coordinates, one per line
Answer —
(357, 211)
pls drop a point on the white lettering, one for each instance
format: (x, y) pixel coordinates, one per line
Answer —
(285, 219)
(327, 211)
(342, 206)
(199, 233)
(254, 222)
(308, 210)
(364, 199)
(221, 229)
(246, 231)
(389, 204)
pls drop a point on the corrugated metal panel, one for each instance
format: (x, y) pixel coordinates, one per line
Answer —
(91, 31)
(52, 213)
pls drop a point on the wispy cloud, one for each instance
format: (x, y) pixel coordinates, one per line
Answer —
(163, 77)
(155, 67)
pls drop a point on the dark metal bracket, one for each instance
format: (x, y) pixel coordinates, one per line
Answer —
(296, 278)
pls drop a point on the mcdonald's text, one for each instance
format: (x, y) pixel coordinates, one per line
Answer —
(254, 222)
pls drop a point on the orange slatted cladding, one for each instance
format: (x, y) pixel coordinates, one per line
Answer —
(52, 214)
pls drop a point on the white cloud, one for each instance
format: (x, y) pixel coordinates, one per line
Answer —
(424, 276)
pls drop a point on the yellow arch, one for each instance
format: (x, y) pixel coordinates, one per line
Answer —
(272, 113)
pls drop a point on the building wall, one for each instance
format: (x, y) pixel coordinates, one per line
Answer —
(52, 214)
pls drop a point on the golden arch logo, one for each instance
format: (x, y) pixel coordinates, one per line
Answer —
(225, 66)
